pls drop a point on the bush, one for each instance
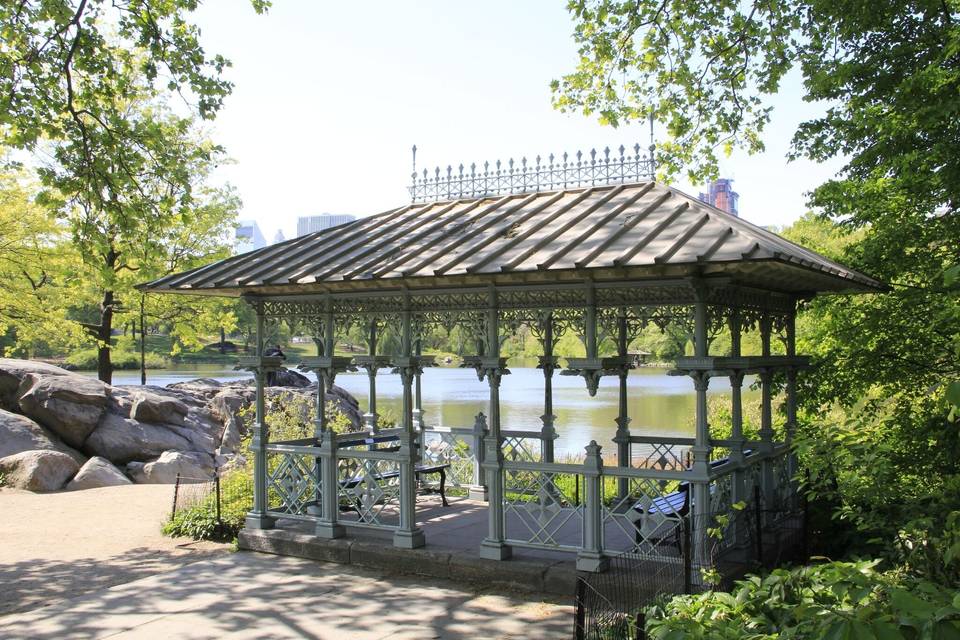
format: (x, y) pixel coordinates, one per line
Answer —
(86, 359)
(199, 521)
(830, 600)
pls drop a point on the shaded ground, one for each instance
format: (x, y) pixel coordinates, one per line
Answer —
(247, 595)
(94, 564)
(60, 545)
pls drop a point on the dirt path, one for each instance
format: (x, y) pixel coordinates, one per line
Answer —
(61, 545)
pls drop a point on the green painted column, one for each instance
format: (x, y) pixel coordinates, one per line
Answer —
(494, 546)
(409, 535)
(622, 437)
(258, 518)
(327, 526)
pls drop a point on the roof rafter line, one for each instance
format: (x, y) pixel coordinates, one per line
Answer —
(682, 239)
(749, 253)
(261, 262)
(408, 242)
(495, 253)
(294, 272)
(604, 221)
(627, 255)
(305, 245)
(556, 233)
(452, 230)
(206, 270)
(467, 251)
(397, 233)
(719, 242)
(472, 233)
(628, 224)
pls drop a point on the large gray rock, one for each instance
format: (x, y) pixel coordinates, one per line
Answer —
(121, 440)
(153, 407)
(40, 470)
(12, 373)
(69, 405)
(191, 467)
(97, 472)
(19, 433)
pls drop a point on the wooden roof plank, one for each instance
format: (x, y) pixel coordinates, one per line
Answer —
(603, 222)
(627, 255)
(556, 233)
(627, 225)
(496, 234)
(400, 247)
(682, 239)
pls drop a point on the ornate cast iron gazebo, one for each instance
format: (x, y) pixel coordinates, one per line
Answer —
(593, 247)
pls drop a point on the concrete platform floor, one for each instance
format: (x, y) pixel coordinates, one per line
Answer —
(249, 595)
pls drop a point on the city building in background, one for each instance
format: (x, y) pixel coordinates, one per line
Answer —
(312, 224)
(278, 237)
(722, 196)
(248, 236)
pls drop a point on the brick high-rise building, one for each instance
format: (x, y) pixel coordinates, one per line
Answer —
(722, 196)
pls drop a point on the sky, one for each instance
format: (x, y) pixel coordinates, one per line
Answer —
(330, 96)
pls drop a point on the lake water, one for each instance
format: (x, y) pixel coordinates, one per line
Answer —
(659, 404)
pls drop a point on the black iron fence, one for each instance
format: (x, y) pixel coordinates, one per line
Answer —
(211, 508)
(611, 605)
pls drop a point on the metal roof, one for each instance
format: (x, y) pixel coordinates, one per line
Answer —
(635, 230)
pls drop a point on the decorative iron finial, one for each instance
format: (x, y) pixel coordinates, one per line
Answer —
(512, 177)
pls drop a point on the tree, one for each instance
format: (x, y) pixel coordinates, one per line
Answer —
(84, 82)
(886, 76)
(35, 266)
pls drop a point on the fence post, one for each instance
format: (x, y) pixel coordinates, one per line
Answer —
(759, 523)
(579, 632)
(590, 557)
(176, 490)
(641, 622)
(216, 484)
(687, 556)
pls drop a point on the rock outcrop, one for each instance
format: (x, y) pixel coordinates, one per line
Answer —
(191, 467)
(70, 406)
(19, 433)
(97, 472)
(39, 470)
(152, 433)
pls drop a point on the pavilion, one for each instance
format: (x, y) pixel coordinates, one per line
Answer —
(594, 247)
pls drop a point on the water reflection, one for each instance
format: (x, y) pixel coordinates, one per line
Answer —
(658, 403)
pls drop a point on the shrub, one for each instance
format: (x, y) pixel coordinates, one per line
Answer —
(86, 359)
(199, 521)
(829, 600)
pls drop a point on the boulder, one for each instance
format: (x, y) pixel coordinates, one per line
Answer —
(12, 373)
(68, 405)
(121, 440)
(290, 378)
(19, 433)
(97, 472)
(39, 470)
(153, 407)
(191, 466)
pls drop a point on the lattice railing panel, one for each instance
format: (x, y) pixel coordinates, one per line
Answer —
(292, 482)
(643, 516)
(369, 491)
(543, 509)
(522, 449)
(667, 457)
(442, 447)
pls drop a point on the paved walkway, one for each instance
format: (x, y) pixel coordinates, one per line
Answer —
(248, 595)
(55, 546)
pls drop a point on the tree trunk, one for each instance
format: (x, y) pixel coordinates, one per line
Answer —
(223, 341)
(103, 334)
(143, 343)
